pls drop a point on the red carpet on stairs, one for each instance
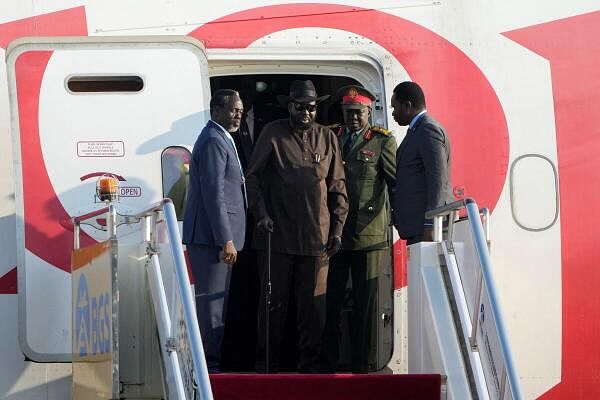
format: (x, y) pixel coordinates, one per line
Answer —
(325, 387)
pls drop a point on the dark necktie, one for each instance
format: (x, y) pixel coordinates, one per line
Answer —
(349, 142)
(231, 141)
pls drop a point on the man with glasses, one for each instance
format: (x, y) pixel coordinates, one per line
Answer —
(297, 191)
(369, 155)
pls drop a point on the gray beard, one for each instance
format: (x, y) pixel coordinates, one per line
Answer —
(301, 126)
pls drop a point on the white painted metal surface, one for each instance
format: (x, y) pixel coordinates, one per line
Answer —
(175, 388)
(521, 78)
(169, 109)
(433, 345)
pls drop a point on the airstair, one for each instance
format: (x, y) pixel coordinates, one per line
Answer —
(140, 273)
(136, 336)
(455, 323)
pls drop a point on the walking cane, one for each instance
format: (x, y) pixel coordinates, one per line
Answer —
(268, 298)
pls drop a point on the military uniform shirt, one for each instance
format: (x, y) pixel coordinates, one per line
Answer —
(370, 169)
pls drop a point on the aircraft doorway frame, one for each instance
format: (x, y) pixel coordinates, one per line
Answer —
(368, 70)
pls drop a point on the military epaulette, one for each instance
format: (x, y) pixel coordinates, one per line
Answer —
(338, 129)
(382, 130)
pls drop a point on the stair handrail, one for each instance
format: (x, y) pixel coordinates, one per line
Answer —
(480, 235)
(187, 297)
(148, 216)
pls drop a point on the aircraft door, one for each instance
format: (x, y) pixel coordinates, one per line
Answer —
(81, 108)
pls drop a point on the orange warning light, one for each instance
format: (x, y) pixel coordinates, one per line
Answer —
(107, 188)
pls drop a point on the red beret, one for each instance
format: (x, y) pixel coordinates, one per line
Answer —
(356, 97)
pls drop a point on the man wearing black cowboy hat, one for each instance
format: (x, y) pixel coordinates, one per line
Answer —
(297, 190)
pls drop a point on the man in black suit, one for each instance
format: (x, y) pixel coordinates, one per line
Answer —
(422, 165)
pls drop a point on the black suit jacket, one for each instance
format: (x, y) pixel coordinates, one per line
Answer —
(422, 175)
(244, 145)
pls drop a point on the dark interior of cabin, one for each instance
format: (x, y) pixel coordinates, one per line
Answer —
(259, 94)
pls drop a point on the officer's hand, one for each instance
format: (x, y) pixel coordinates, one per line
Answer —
(334, 244)
(229, 253)
(265, 224)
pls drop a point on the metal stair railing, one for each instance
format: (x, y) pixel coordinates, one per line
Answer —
(169, 342)
(171, 347)
(509, 385)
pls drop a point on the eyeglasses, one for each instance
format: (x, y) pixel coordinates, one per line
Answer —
(305, 107)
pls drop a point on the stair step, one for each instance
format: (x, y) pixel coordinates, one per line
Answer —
(325, 387)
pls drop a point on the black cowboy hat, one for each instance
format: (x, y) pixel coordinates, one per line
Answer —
(301, 92)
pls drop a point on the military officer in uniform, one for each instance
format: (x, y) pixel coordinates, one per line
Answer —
(369, 156)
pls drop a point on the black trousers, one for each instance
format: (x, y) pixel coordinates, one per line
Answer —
(238, 351)
(239, 338)
(364, 267)
(306, 278)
